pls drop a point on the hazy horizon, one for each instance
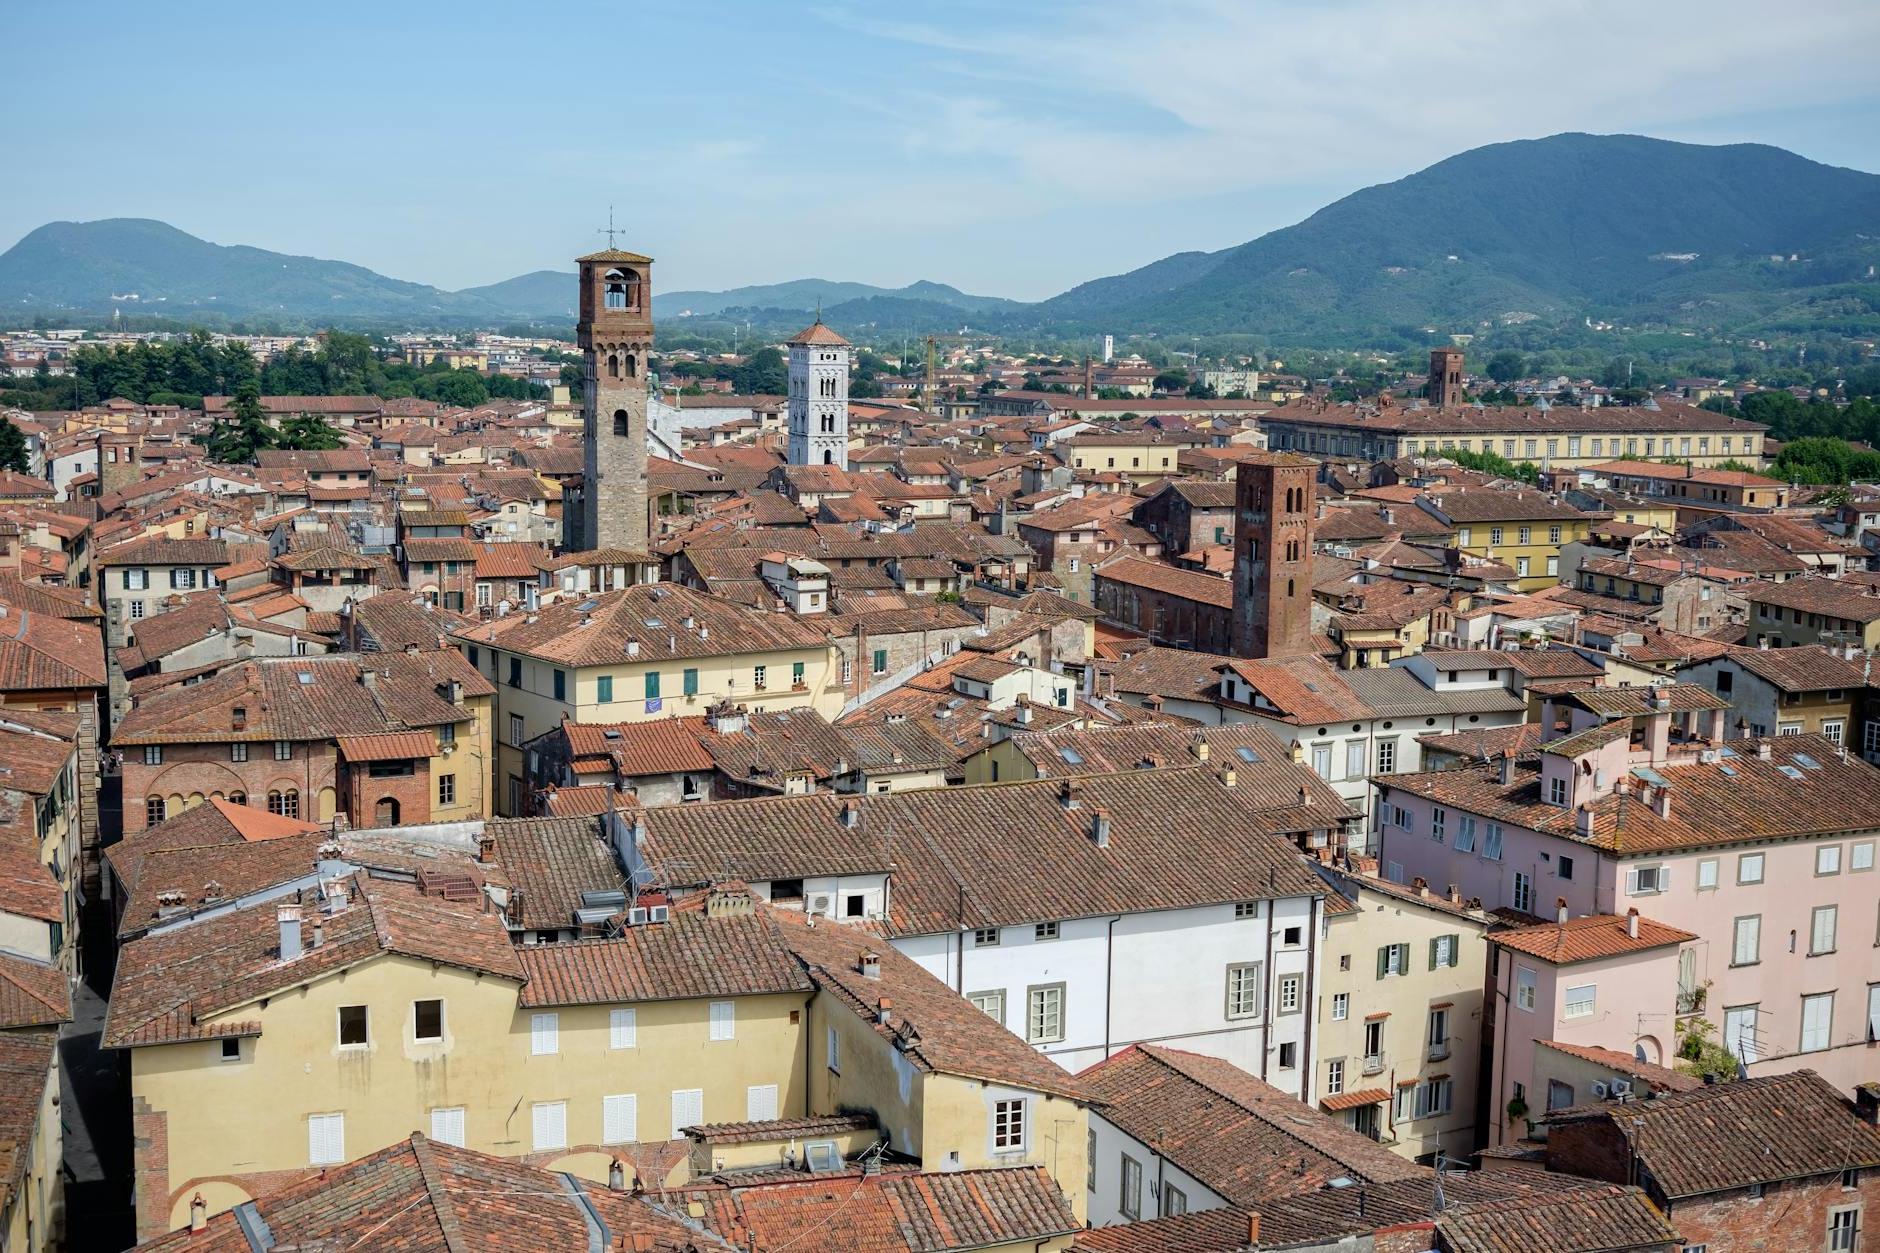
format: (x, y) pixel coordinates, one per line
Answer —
(1007, 151)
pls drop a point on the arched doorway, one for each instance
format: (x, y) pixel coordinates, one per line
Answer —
(385, 813)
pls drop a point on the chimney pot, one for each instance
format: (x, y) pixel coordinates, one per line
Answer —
(1631, 922)
(616, 1175)
(1560, 909)
(1100, 827)
(871, 966)
(288, 919)
(198, 1213)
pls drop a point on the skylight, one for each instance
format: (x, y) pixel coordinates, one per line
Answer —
(1806, 762)
(1791, 771)
(1728, 770)
(1071, 756)
(1248, 755)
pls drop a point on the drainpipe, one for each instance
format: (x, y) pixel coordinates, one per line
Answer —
(1266, 993)
(1109, 966)
(1309, 1007)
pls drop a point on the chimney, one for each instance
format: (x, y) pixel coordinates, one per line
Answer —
(369, 678)
(1763, 751)
(1867, 1103)
(1067, 794)
(1253, 1229)
(1661, 801)
(1454, 894)
(1421, 885)
(1561, 912)
(1023, 710)
(1631, 922)
(1227, 776)
(1100, 827)
(851, 813)
(1507, 768)
(486, 848)
(633, 648)
(1199, 747)
(288, 916)
(884, 1011)
(616, 1175)
(871, 964)
(198, 1213)
(1583, 821)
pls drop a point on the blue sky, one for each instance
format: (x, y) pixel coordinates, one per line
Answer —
(1008, 148)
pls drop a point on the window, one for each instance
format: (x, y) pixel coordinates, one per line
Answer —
(1387, 756)
(991, 1004)
(1494, 535)
(1246, 909)
(1445, 951)
(1288, 1055)
(515, 730)
(1465, 834)
(1130, 1202)
(1439, 818)
(1580, 1000)
(155, 810)
(1354, 759)
(1334, 1077)
(1405, 1102)
(986, 937)
(1553, 535)
(1044, 1014)
(1322, 760)
(428, 1019)
(1341, 1006)
(1243, 990)
(1821, 930)
(1559, 1095)
(1817, 1019)
(286, 804)
(447, 1126)
(515, 672)
(1524, 989)
(137, 610)
(136, 580)
(352, 1026)
(1739, 1032)
(1749, 868)
(1434, 1097)
(1175, 1201)
(760, 1102)
(1557, 791)
(1090, 1160)
(1373, 1044)
(759, 676)
(796, 674)
(622, 1028)
(1525, 535)
(1834, 729)
(1524, 892)
(283, 750)
(326, 1139)
(688, 682)
(688, 1110)
(231, 1045)
(620, 1119)
(1844, 1230)
(1292, 937)
(1008, 1126)
(238, 752)
(1289, 994)
(153, 754)
(1045, 931)
(1747, 948)
(549, 1122)
(604, 689)
(544, 1034)
(1491, 842)
(835, 1052)
(1828, 859)
(1393, 959)
(724, 1025)
(1707, 875)
(1646, 880)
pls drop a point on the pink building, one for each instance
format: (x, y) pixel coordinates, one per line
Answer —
(1599, 981)
(1764, 849)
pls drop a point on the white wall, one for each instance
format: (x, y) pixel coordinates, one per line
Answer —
(1106, 1179)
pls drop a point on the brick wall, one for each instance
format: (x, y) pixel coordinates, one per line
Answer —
(1789, 1217)
(197, 771)
(360, 794)
(150, 1168)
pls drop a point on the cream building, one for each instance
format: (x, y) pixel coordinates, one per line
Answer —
(1400, 1013)
(294, 1034)
(651, 651)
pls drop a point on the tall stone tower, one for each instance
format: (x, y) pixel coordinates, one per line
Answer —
(1273, 512)
(615, 333)
(1445, 377)
(819, 397)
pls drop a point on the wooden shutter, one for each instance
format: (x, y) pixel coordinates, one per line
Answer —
(623, 1029)
(760, 1103)
(544, 1033)
(1383, 961)
(326, 1138)
(688, 1109)
(724, 1020)
(447, 1126)
(550, 1124)
(620, 1119)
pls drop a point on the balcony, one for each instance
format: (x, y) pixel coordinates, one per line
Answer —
(1437, 1052)
(1374, 1063)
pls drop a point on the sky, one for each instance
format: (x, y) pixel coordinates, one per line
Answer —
(1010, 149)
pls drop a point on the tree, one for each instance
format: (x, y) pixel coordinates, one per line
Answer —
(1506, 366)
(571, 379)
(304, 430)
(764, 373)
(13, 451)
(244, 432)
(1496, 464)
(1171, 380)
(1701, 1055)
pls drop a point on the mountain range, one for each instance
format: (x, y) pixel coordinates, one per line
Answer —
(1617, 227)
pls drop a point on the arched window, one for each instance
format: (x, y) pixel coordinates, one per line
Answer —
(613, 365)
(620, 421)
(1289, 587)
(286, 804)
(633, 367)
(154, 811)
(385, 814)
(829, 458)
(633, 293)
(238, 798)
(616, 289)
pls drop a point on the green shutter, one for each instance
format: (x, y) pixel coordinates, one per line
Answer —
(1455, 950)
(691, 683)
(604, 688)
(652, 685)
(1383, 961)
(1434, 955)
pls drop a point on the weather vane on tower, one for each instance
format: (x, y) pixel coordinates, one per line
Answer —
(609, 231)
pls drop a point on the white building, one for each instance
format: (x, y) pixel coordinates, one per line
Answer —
(819, 398)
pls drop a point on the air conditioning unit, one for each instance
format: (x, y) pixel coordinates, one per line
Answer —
(1620, 1087)
(822, 1155)
(659, 913)
(636, 917)
(1599, 1089)
(821, 904)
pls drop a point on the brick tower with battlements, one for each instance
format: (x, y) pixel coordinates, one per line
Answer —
(1273, 512)
(616, 334)
(1445, 387)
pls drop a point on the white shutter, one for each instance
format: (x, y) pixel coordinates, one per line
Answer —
(760, 1103)
(1873, 1012)
(620, 1119)
(1631, 883)
(544, 1034)
(550, 1119)
(724, 1020)
(1817, 1013)
(623, 1029)
(688, 1109)
(326, 1139)
(447, 1126)
(1664, 878)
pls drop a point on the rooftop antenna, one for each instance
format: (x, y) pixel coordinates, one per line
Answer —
(609, 230)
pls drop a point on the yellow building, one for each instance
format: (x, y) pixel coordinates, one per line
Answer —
(293, 1034)
(653, 651)
(1400, 1013)
(1522, 529)
(1140, 455)
(1812, 610)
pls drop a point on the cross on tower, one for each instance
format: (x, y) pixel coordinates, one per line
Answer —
(609, 230)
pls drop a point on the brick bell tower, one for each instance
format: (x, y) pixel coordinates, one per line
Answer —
(1273, 513)
(1445, 387)
(616, 334)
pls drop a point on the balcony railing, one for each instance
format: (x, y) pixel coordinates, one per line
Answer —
(1373, 1063)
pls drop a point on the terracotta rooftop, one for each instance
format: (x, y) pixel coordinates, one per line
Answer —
(1591, 938)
